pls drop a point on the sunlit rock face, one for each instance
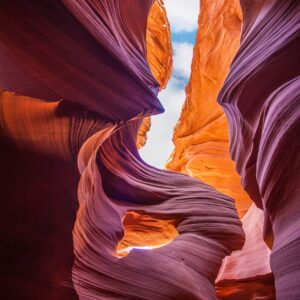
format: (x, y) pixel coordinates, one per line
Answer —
(75, 86)
(159, 56)
(246, 274)
(261, 100)
(158, 41)
(201, 135)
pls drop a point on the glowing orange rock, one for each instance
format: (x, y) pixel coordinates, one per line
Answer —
(158, 42)
(201, 135)
(144, 230)
(159, 55)
(142, 133)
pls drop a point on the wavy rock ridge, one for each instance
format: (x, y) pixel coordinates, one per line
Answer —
(261, 101)
(75, 87)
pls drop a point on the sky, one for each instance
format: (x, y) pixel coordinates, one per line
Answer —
(183, 18)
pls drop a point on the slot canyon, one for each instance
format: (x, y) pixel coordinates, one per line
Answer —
(84, 216)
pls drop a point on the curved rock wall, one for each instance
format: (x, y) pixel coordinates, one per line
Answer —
(97, 271)
(79, 208)
(246, 274)
(261, 101)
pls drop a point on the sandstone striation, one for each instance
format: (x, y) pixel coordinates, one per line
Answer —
(262, 103)
(204, 219)
(158, 43)
(246, 274)
(201, 135)
(82, 216)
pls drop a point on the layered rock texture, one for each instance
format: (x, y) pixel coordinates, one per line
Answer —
(201, 135)
(82, 216)
(247, 274)
(75, 87)
(262, 104)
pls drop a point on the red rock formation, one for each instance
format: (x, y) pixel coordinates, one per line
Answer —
(261, 100)
(201, 135)
(38, 195)
(75, 88)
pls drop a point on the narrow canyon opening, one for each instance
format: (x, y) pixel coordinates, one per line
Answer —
(182, 18)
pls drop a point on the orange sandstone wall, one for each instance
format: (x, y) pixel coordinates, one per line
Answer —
(201, 135)
(159, 55)
(159, 47)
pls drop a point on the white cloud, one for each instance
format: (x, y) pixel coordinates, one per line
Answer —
(182, 14)
(159, 142)
(183, 54)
